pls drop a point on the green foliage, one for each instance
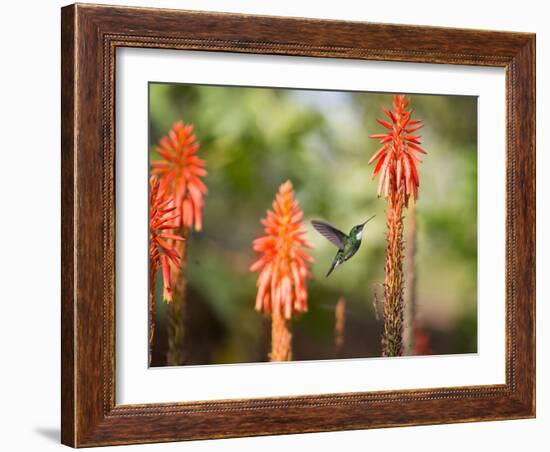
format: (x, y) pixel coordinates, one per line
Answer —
(254, 139)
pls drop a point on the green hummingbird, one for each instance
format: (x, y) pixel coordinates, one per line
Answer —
(347, 244)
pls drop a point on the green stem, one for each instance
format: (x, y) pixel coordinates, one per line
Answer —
(151, 312)
(177, 308)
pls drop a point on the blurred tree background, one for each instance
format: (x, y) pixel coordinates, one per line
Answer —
(254, 139)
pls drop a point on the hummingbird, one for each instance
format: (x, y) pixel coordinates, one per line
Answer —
(347, 244)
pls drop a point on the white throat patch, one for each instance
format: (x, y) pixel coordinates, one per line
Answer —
(359, 234)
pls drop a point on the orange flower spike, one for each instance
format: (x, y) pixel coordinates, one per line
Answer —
(180, 171)
(283, 267)
(396, 167)
(399, 155)
(162, 214)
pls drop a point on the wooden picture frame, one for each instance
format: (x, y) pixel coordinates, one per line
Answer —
(90, 36)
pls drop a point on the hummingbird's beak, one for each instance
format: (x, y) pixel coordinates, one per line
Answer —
(368, 220)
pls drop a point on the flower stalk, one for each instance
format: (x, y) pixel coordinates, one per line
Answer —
(409, 315)
(396, 167)
(176, 309)
(151, 313)
(393, 277)
(339, 325)
(281, 338)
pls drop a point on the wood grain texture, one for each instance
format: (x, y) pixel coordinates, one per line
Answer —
(67, 226)
(90, 36)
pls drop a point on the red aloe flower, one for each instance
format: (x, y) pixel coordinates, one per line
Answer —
(400, 152)
(162, 214)
(180, 170)
(284, 265)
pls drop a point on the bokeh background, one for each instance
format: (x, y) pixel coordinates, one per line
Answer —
(254, 139)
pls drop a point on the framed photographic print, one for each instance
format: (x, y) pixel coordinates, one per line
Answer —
(282, 225)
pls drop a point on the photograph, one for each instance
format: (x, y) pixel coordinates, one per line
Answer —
(297, 225)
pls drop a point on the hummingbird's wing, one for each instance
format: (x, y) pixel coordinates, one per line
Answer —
(331, 233)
